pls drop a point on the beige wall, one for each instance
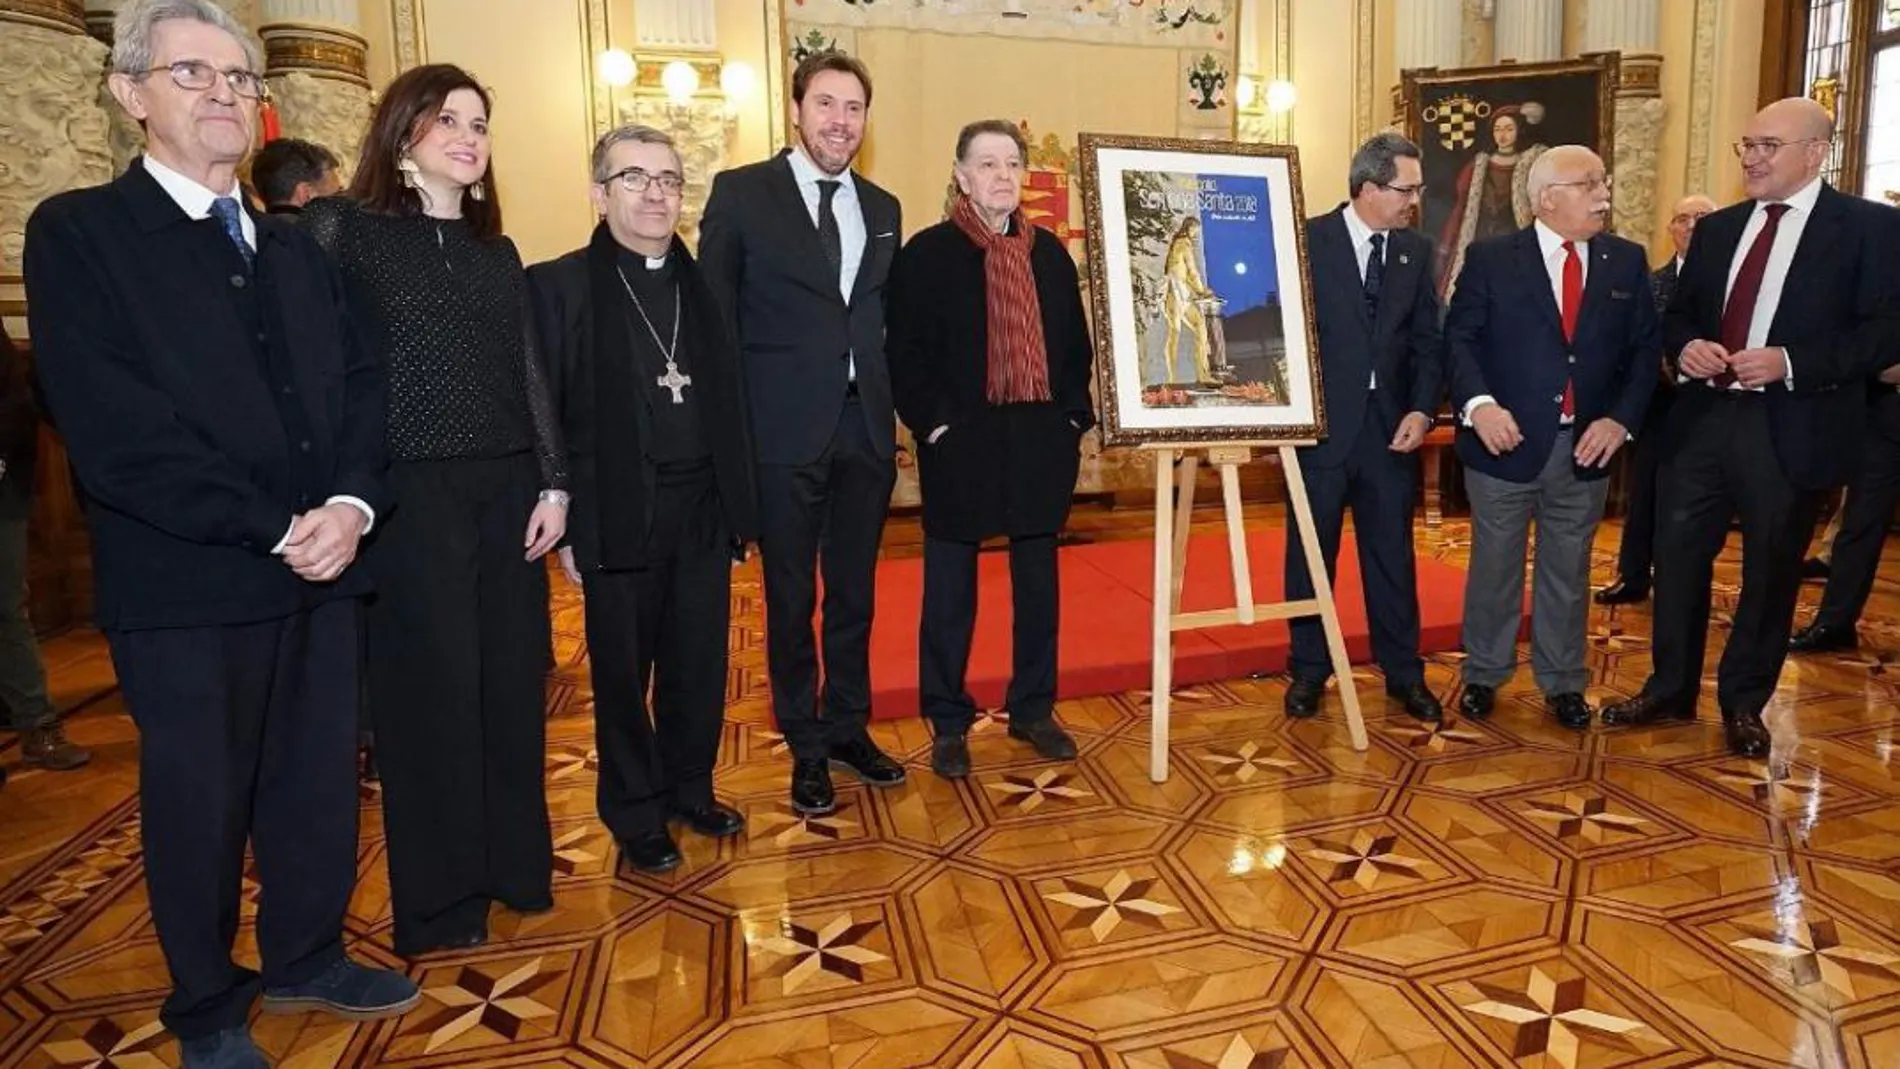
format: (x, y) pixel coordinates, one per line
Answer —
(534, 53)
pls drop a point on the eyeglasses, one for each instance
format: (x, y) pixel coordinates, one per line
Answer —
(634, 180)
(1768, 147)
(1403, 191)
(197, 76)
(1588, 185)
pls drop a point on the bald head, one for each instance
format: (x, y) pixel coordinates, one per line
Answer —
(1682, 220)
(1784, 148)
(1570, 192)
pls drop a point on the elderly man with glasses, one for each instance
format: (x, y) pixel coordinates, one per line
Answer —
(646, 380)
(1787, 304)
(1553, 354)
(226, 431)
(1383, 366)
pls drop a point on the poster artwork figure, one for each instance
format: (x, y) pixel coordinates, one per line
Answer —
(1493, 195)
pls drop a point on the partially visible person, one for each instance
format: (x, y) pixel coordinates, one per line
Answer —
(1382, 362)
(1553, 346)
(1862, 521)
(459, 641)
(1770, 413)
(226, 435)
(798, 250)
(646, 379)
(1645, 455)
(290, 173)
(990, 368)
(22, 672)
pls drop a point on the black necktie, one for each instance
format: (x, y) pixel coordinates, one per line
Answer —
(828, 235)
(1375, 276)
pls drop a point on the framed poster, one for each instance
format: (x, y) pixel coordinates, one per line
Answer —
(1481, 128)
(1198, 276)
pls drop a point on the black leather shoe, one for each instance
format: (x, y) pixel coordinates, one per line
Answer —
(811, 788)
(653, 852)
(1623, 592)
(1646, 709)
(1747, 736)
(1418, 701)
(1302, 698)
(1823, 638)
(1051, 742)
(711, 819)
(862, 757)
(1569, 710)
(1477, 701)
(950, 756)
(1816, 568)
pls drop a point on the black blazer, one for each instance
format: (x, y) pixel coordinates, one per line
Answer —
(1403, 345)
(560, 292)
(999, 469)
(19, 431)
(1504, 334)
(760, 253)
(1839, 319)
(181, 457)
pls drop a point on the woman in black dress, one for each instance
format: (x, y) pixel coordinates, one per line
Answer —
(458, 637)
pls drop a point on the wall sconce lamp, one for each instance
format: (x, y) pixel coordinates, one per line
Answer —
(1280, 96)
(1246, 91)
(615, 68)
(680, 81)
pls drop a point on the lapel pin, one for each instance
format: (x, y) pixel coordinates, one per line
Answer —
(1404, 259)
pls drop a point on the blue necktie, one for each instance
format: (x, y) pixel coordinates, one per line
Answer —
(227, 212)
(1375, 276)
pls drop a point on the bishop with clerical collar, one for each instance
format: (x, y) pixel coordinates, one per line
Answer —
(646, 379)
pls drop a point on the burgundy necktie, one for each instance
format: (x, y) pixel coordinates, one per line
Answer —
(1573, 302)
(1739, 313)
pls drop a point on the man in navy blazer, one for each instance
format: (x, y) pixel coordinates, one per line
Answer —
(1383, 369)
(1553, 341)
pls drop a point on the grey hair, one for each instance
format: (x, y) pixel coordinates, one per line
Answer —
(1377, 160)
(132, 31)
(638, 134)
(1543, 170)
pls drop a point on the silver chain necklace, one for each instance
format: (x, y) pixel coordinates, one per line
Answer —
(672, 380)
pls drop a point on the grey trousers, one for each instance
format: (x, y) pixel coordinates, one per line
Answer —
(22, 674)
(1566, 510)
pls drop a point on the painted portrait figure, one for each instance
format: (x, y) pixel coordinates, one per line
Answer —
(1491, 197)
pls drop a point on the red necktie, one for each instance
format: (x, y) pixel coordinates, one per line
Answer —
(1739, 313)
(1573, 302)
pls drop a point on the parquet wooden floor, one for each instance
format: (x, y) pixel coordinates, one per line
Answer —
(1497, 894)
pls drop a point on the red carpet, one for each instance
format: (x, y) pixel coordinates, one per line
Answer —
(1106, 634)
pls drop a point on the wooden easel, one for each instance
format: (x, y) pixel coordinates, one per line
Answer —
(1171, 538)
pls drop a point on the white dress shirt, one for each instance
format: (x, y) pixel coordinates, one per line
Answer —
(1361, 236)
(850, 216)
(1775, 275)
(1551, 245)
(195, 201)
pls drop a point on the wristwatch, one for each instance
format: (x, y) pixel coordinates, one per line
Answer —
(555, 497)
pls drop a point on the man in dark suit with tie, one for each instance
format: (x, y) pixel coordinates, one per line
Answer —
(1383, 370)
(226, 432)
(1787, 303)
(1645, 454)
(1553, 346)
(797, 249)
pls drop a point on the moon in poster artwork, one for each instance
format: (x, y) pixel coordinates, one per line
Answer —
(1240, 267)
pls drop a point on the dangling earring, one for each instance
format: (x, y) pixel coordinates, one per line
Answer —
(406, 167)
(479, 191)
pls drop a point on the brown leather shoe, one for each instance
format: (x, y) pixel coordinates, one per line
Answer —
(49, 748)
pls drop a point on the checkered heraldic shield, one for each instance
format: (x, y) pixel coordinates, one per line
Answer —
(1456, 119)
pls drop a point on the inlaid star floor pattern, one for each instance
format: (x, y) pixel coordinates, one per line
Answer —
(1504, 893)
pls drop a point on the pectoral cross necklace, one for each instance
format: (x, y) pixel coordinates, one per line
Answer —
(672, 380)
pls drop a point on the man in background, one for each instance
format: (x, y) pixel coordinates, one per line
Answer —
(22, 673)
(289, 173)
(1861, 523)
(1639, 523)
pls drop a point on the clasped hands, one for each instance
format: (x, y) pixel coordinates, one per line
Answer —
(323, 541)
(1753, 368)
(1497, 429)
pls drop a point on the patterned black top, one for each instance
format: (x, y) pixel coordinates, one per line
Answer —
(447, 313)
